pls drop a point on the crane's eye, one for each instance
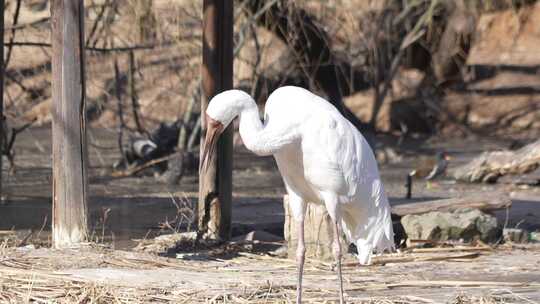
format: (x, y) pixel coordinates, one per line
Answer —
(213, 123)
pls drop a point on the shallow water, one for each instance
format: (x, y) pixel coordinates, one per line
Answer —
(137, 207)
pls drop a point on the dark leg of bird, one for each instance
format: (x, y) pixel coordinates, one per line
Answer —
(300, 257)
(337, 254)
(408, 185)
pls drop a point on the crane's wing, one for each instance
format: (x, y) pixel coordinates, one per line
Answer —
(341, 160)
(337, 156)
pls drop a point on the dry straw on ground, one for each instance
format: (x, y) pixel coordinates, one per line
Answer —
(47, 276)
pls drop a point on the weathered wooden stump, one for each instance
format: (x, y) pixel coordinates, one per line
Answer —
(318, 232)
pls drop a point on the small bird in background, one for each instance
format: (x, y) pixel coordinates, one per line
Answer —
(428, 169)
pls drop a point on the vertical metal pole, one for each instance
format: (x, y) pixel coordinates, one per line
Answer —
(215, 186)
(69, 124)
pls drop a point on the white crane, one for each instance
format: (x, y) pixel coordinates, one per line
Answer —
(322, 158)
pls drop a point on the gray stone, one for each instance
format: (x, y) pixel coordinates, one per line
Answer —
(463, 224)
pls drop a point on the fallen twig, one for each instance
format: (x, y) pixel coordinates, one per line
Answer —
(381, 260)
(459, 284)
(448, 249)
(132, 171)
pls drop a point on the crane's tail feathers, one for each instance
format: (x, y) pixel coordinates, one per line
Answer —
(370, 229)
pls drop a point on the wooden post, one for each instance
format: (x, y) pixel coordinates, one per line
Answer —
(69, 124)
(2, 70)
(215, 187)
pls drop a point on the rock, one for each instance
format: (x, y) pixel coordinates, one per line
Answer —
(515, 235)
(527, 179)
(489, 166)
(318, 232)
(463, 224)
(502, 38)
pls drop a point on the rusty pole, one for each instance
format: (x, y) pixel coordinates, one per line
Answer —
(215, 185)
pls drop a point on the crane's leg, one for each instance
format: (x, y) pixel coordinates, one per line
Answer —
(300, 258)
(337, 255)
(332, 206)
(298, 208)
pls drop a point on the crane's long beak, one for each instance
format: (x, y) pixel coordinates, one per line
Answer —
(214, 129)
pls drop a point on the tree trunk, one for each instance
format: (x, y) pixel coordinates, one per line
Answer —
(69, 124)
(2, 69)
(215, 185)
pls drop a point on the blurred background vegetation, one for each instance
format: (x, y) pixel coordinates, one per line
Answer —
(403, 68)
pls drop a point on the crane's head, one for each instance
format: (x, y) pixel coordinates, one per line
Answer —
(221, 111)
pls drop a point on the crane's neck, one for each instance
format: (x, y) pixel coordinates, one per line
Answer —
(258, 138)
(251, 128)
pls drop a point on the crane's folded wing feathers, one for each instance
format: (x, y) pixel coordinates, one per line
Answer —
(343, 162)
(338, 159)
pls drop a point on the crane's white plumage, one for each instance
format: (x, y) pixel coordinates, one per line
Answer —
(322, 158)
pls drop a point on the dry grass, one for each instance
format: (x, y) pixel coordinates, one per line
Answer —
(507, 297)
(33, 288)
(43, 277)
